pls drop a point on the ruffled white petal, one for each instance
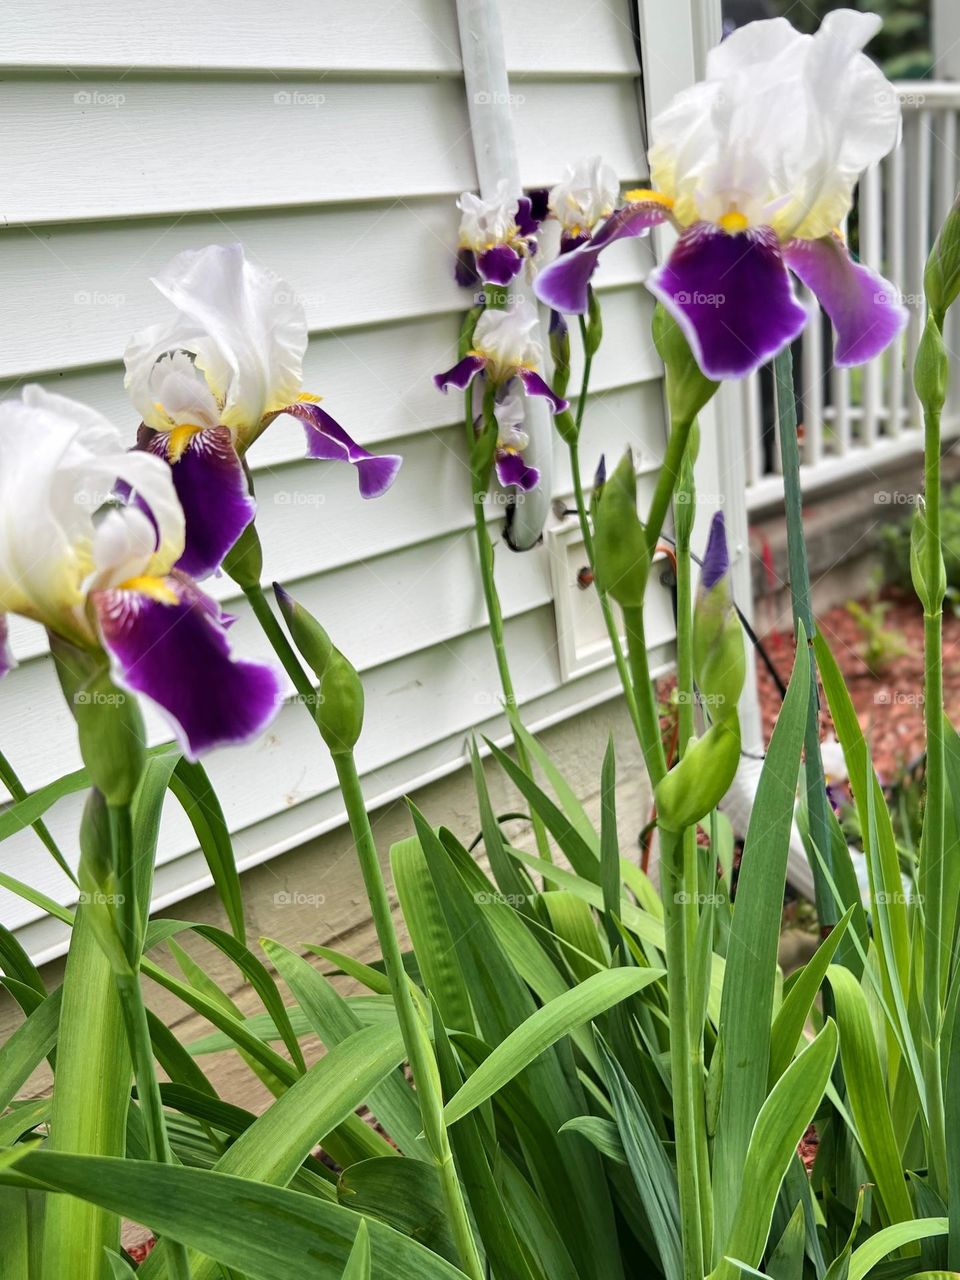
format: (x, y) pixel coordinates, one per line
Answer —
(506, 339)
(781, 128)
(245, 328)
(61, 463)
(587, 194)
(485, 223)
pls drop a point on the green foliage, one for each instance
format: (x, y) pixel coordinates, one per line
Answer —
(881, 644)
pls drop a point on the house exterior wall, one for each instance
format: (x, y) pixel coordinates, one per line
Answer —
(332, 140)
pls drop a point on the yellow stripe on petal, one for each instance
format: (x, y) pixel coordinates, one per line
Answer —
(155, 588)
(644, 195)
(307, 397)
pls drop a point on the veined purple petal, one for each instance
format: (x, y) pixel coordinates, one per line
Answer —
(462, 373)
(465, 272)
(512, 470)
(865, 309)
(172, 648)
(499, 265)
(563, 284)
(731, 296)
(534, 385)
(326, 439)
(7, 660)
(214, 493)
(716, 558)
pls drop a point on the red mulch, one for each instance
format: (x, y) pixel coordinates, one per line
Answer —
(807, 1150)
(140, 1252)
(889, 706)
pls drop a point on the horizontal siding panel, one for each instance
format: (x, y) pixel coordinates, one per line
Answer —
(543, 36)
(379, 382)
(308, 521)
(445, 690)
(140, 148)
(73, 295)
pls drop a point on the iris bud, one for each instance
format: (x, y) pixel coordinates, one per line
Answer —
(594, 329)
(930, 370)
(560, 352)
(698, 782)
(99, 886)
(339, 710)
(620, 547)
(941, 278)
(719, 660)
(688, 388)
(109, 725)
(930, 593)
(685, 497)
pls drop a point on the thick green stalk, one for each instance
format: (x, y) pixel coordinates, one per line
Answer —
(816, 790)
(666, 482)
(650, 741)
(134, 1011)
(932, 850)
(412, 1026)
(492, 600)
(609, 620)
(91, 1096)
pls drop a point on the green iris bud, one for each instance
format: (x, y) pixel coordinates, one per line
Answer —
(99, 887)
(698, 782)
(109, 724)
(941, 278)
(719, 659)
(620, 546)
(930, 593)
(930, 369)
(594, 327)
(688, 387)
(559, 352)
(685, 497)
(339, 709)
(244, 561)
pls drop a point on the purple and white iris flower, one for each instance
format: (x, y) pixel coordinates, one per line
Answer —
(496, 237)
(506, 355)
(89, 536)
(208, 383)
(756, 166)
(588, 193)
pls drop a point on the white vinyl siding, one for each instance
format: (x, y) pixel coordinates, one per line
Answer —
(332, 139)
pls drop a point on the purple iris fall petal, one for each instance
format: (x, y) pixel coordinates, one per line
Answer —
(173, 650)
(534, 385)
(326, 439)
(563, 284)
(499, 265)
(465, 272)
(731, 296)
(213, 490)
(716, 558)
(7, 661)
(512, 470)
(864, 308)
(461, 375)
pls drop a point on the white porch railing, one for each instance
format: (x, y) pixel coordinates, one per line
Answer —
(853, 421)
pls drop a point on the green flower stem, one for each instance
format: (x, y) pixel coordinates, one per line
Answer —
(816, 790)
(606, 608)
(667, 481)
(134, 1012)
(932, 854)
(412, 1025)
(690, 1055)
(650, 741)
(492, 598)
(281, 645)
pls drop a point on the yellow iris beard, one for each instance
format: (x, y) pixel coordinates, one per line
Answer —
(154, 588)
